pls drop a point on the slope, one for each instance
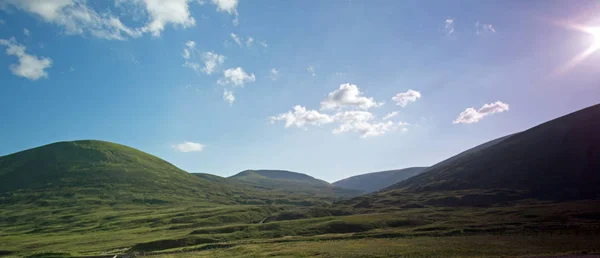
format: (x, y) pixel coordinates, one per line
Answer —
(291, 182)
(557, 159)
(376, 181)
(104, 171)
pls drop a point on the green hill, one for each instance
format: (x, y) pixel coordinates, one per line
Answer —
(376, 181)
(269, 176)
(291, 182)
(104, 171)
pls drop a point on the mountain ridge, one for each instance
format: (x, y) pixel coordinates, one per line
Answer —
(374, 181)
(558, 157)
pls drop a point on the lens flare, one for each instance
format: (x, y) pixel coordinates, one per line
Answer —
(594, 32)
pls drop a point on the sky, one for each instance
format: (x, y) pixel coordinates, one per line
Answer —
(327, 88)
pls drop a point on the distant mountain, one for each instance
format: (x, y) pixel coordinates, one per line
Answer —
(292, 182)
(376, 181)
(558, 159)
(277, 175)
(106, 172)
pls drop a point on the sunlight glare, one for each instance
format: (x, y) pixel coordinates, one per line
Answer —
(595, 32)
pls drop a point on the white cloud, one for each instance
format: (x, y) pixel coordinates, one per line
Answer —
(228, 96)
(390, 115)
(449, 26)
(190, 44)
(274, 74)
(300, 117)
(470, 115)
(311, 70)
(229, 6)
(360, 122)
(249, 41)
(211, 62)
(236, 76)
(26, 32)
(402, 99)
(236, 39)
(264, 43)
(161, 13)
(188, 147)
(348, 95)
(189, 47)
(75, 17)
(29, 66)
(481, 28)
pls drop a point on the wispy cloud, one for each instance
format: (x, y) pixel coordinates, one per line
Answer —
(236, 38)
(188, 147)
(211, 61)
(404, 98)
(273, 74)
(482, 28)
(228, 96)
(390, 115)
(470, 115)
(449, 26)
(311, 69)
(29, 66)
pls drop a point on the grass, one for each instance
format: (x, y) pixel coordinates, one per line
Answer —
(78, 208)
(169, 228)
(453, 246)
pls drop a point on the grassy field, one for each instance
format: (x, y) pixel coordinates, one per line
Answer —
(90, 198)
(454, 246)
(239, 228)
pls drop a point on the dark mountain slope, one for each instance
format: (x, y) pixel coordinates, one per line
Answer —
(557, 159)
(376, 181)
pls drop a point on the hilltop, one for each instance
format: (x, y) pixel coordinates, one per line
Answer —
(107, 172)
(289, 181)
(376, 181)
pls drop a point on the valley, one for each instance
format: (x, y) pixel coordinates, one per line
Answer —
(531, 193)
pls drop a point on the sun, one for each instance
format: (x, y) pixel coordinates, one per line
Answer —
(595, 33)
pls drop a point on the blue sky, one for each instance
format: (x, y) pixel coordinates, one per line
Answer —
(308, 92)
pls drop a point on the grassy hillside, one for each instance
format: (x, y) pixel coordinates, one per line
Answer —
(271, 176)
(376, 181)
(557, 159)
(99, 172)
(292, 182)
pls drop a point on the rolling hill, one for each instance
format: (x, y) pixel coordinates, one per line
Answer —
(559, 159)
(291, 182)
(100, 171)
(376, 181)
